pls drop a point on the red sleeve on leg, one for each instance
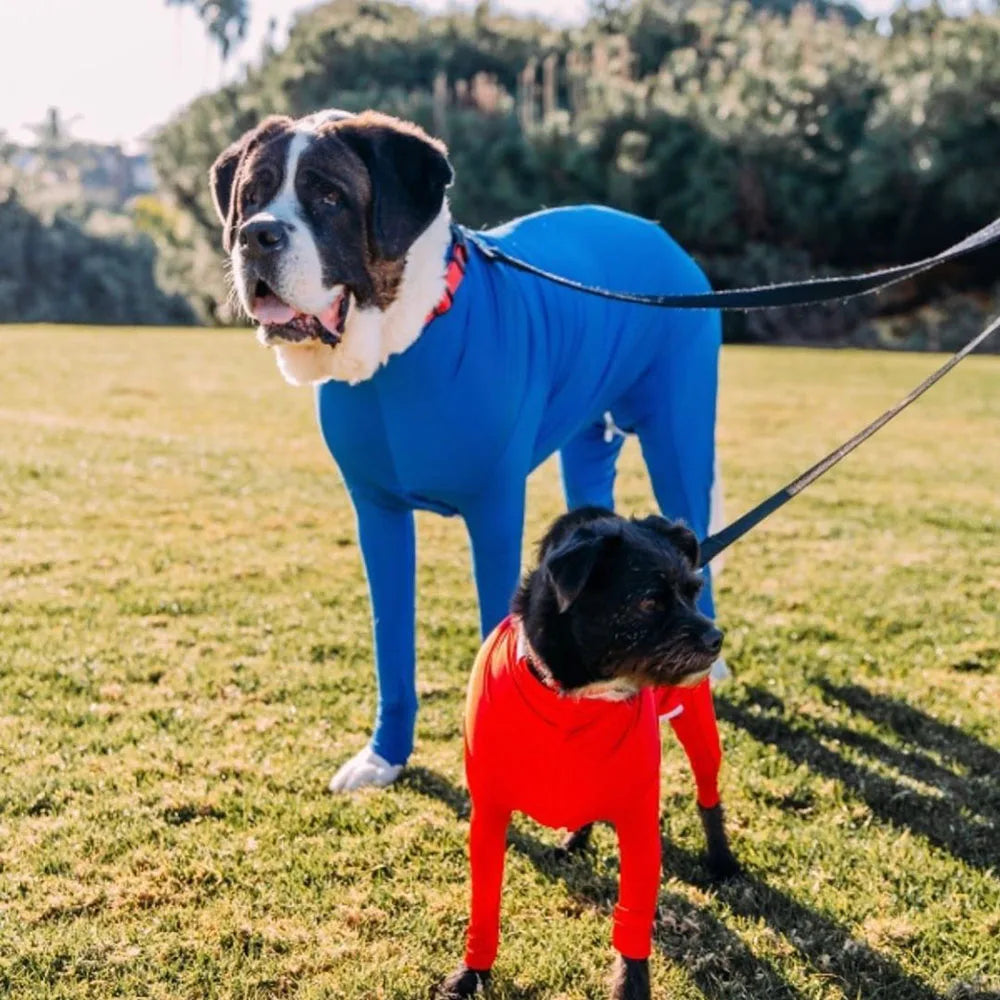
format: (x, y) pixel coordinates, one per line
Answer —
(487, 845)
(639, 883)
(698, 733)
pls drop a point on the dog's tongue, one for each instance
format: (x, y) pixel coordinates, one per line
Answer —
(271, 310)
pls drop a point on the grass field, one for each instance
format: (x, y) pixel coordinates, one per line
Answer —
(185, 658)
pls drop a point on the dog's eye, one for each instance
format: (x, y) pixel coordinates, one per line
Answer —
(320, 189)
(256, 188)
(649, 605)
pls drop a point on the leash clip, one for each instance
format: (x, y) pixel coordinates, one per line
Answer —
(611, 429)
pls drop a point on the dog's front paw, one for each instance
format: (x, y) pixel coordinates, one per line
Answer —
(363, 769)
(719, 859)
(630, 979)
(463, 982)
(722, 865)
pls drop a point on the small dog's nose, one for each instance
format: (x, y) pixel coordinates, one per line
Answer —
(711, 639)
(263, 237)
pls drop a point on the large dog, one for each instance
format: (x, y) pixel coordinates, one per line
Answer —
(444, 379)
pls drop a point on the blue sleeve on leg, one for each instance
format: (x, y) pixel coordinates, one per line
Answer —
(587, 462)
(388, 545)
(678, 440)
(496, 526)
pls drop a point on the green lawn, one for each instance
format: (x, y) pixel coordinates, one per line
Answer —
(185, 658)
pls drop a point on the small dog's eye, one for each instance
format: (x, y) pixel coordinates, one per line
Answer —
(648, 605)
(331, 197)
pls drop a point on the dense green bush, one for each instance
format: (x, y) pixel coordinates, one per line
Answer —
(57, 272)
(773, 142)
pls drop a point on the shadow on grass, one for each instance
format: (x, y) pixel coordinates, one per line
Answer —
(977, 791)
(716, 959)
(857, 969)
(917, 727)
(435, 786)
(962, 819)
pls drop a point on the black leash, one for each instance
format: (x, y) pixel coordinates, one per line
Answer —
(714, 544)
(789, 293)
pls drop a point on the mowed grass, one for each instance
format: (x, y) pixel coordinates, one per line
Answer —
(185, 658)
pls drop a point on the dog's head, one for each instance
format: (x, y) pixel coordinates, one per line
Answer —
(319, 217)
(611, 605)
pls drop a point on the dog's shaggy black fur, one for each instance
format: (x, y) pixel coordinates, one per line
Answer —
(614, 599)
(612, 603)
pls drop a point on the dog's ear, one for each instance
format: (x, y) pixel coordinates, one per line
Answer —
(409, 173)
(678, 533)
(570, 565)
(222, 175)
(685, 540)
(564, 525)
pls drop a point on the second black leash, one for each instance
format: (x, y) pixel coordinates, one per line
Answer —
(792, 293)
(714, 544)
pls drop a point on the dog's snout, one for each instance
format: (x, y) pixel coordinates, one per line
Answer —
(263, 236)
(711, 639)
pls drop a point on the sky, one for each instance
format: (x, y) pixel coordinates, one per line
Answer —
(118, 68)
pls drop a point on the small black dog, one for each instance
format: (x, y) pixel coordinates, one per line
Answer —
(562, 720)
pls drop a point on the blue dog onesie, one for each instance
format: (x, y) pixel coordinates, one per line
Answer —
(516, 369)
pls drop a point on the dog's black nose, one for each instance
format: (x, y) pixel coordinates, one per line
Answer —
(263, 237)
(711, 639)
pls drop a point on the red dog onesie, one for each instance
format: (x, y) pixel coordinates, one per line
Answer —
(567, 762)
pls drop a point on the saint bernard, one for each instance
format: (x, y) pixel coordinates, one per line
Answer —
(443, 378)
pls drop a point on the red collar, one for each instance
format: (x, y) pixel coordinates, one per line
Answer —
(531, 663)
(527, 656)
(458, 257)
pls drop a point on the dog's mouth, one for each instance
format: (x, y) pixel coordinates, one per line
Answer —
(680, 667)
(281, 322)
(693, 678)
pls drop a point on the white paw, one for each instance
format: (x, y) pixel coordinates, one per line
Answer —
(719, 672)
(363, 769)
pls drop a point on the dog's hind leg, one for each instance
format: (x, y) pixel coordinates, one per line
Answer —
(676, 400)
(587, 462)
(386, 534)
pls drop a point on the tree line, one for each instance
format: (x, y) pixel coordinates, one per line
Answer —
(55, 271)
(774, 140)
(71, 252)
